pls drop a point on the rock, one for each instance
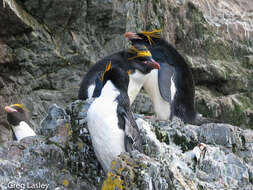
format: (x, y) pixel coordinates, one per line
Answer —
(167, 167)
(220, 134)
(10, 22)
(54, 122)
(64, 159)
(5, 132)
(175, 156)
(142, 104)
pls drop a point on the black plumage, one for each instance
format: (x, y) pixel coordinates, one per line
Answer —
(125, 59)
(15, 117)
(172, 65)
(126, 122)
(111, 124)
(16, 114)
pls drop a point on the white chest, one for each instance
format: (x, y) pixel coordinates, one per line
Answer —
(23, 130)
(136, 81)
(107, 138)
(91, 89)
(161, 107)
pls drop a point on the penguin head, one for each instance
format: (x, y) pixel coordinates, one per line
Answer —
(144, 37)
(117, 76)
(16, 113)
(141, 59)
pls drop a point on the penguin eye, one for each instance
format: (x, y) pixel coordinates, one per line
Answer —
(142, 59)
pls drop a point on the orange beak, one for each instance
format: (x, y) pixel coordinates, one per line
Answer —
(9, 109)
(153, 64)
(131, 36)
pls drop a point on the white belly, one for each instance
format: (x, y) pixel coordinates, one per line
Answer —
(91, 89)
(161, 107)
(136, 82)
(107, 138)
(23, 130)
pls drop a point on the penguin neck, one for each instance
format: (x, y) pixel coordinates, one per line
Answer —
(23, 130)
(136, 81)
(109, 91)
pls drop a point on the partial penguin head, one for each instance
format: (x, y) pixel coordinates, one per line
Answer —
(16, 113)
(117, 76)
(141, 59)
(144, 37)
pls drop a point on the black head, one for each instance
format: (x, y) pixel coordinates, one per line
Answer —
(118, 77)
(140, 58)
(16, 113)
(146, 38)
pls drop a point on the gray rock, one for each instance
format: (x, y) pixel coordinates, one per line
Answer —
(56, 117)
(142, 104)
(220, 134)
(175, 156)
(5, 132)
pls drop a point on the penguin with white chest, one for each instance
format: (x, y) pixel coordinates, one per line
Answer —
(171, 88)
(137, 58)
(17, 116)
(110, 121)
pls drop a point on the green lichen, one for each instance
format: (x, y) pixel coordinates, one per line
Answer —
(246, 100)
(162, 136)
(217, 49)
(169, 137)
(205, 110)
(198, 21)
(233, 109)
(234, 113)
(184, 143)
(200, 187)
(236, 116)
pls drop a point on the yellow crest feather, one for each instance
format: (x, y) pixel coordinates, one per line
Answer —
(139, 53)
(20, 106)
(107, 68)
(152, 34)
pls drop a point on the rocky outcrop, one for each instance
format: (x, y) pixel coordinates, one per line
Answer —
(176, 156)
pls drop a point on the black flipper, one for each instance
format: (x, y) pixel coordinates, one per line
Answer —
(132, 134)
(14, 137)
(98, 86)
(128, 124)
(165, 74)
